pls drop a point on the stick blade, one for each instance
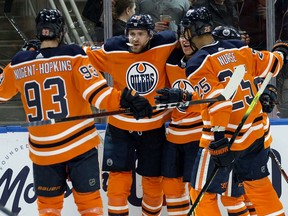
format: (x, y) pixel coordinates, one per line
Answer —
(234, 82)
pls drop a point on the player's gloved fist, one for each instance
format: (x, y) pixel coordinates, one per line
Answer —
(283, 48)
(139, 106)
(220, 153)
(268, 98)
(172, 95)
(32, 45)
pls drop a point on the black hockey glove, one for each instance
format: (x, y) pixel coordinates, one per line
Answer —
(172, 95)
(283, 48)
(269, 98)
(32, 45)
(220, 153)
(139, 106)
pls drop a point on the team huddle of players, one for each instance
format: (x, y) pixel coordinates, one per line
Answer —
(148, 68)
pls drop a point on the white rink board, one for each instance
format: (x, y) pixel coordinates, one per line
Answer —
(16, 181)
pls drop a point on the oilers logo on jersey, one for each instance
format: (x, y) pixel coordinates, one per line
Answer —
(142, 77)
(184, 85)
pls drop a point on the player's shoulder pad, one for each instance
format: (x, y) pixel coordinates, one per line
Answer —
(116, 43)
(63, 50)
(195, 61)
(175, 57)
(228, 44)
(71, 50)
(163, 38)
(22, 56)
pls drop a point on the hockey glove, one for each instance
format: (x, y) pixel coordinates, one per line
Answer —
(139, 106)
(283, 48)
(172, 95)
(32, 45)
(220, 153)
(268, 98)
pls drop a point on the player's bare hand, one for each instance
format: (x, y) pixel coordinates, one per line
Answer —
(161, 26)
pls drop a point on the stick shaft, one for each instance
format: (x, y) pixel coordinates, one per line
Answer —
(21, 34)
(228, 91)
(277, 162)
(122, 111)
(251, 107)
(203, 190)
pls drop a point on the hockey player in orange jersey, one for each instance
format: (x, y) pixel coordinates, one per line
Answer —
(58, 81)
(184, 132)
(208, 70)
(267, 99)
(183, 135)
(137, 61)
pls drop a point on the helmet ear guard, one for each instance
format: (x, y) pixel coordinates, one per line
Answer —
(50, 24)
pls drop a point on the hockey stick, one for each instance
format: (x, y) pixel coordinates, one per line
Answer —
(229, 90)
(277, 162)
(21, 34)
(231, 141)
(7, 9)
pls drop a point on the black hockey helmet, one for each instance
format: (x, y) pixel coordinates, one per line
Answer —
(50, 24)
(33, 44)
(140, 21)
(198, 21)
(225, 33)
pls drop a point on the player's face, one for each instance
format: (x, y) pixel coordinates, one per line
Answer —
(185, 45)
(138, 39)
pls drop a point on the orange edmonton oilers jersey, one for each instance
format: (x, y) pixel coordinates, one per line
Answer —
(186, 124)
(209, 70)
(57, 83)
(143, 72)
